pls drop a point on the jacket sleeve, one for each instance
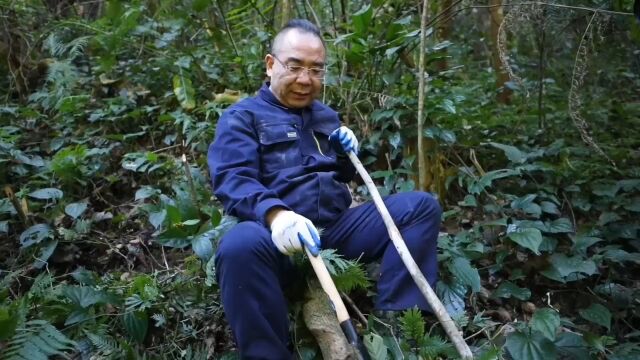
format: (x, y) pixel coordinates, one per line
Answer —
(234, 163)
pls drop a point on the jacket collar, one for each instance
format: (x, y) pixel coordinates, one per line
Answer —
(265, 94)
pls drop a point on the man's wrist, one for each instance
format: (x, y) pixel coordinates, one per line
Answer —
(271, 214)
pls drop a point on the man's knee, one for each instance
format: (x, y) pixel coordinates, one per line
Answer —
(416, 206)
(243, 241)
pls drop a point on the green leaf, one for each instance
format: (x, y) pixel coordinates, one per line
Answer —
(452, 296)
(547, 322)
(448, 106)
(529, 238)
(461, 268)
(530, 346)
(34, 235)
(184, 91)
(572, 346)
(136, 323)
(85, 296)
(508, 289)
(568, 266)
(597, 314)
(75, 209)
(375, 346)
(47, 194)
(605, 188)
(146, 192)
(45, 252)
(361, 20)
(157, 218)
(549, 208)
(527, 205)
(84, 276)
(202, 246)
(191, 222)
(513, 153)
(561, 225)
(8, 322)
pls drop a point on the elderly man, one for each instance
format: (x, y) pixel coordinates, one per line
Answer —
(278, 164)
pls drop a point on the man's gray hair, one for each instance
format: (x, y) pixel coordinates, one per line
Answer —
(301, 25)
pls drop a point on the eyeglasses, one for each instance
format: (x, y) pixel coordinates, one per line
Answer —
(297, 70)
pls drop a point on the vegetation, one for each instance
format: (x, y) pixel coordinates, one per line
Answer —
(531, 136)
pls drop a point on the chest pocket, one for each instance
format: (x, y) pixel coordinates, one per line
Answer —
(279, 147)
(321, 134)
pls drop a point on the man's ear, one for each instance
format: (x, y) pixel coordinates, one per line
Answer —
(268, 61)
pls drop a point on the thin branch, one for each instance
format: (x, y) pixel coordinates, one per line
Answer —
(422, 163)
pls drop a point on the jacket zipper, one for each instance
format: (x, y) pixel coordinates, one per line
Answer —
(317, 143)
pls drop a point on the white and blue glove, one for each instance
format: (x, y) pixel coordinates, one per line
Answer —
(343, 141)
(290, 231)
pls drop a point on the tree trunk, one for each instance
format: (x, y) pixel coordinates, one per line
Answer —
(497, 15)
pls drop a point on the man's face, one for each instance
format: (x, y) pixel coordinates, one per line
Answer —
(296, 48)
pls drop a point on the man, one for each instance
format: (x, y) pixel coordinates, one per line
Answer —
(278, 163)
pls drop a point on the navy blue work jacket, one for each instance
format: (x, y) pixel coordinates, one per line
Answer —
(265, 155)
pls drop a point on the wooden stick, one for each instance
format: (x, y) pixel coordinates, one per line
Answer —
(341, 311)
(328, 286)
(436, 305)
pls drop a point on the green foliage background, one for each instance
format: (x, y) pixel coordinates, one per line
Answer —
(107, 223)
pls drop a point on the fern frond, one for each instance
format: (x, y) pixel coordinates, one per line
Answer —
(160, 319)
(434, 347)
(412, 324)
(347, 274)
(54, 45)
(105, 345)
(352, 278)
(38, 340)
(76, 47)
(199, 353)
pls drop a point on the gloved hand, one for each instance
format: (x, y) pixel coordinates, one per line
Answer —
(290, 231)
(343, 140)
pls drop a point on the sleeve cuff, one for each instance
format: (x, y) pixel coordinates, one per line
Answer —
(264, 206)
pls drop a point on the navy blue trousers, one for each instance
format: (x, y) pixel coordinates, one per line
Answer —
(252, 272)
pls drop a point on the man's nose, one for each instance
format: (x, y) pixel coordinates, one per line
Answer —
(304, 77)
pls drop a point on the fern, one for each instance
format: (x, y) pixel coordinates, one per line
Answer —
(38, 340)
(347, 274)
(434, 347)
(105, 345)
(412, 324)
(54, 45)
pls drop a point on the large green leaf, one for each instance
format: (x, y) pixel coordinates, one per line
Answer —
(452, 296)
(547, 322)
(184, 91)
(572, 346)
(529, 238)
(508, 289)
(34, 235)
(136, 323)
(75, 209)
(513, 153)
(375, 346)
(461, 268)
(530, 346)
(527, 205)
(597, 314)
(361, 19)
(202, 245)
(47, 194)
(561, 225)
(568, 266)
(85, 296)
